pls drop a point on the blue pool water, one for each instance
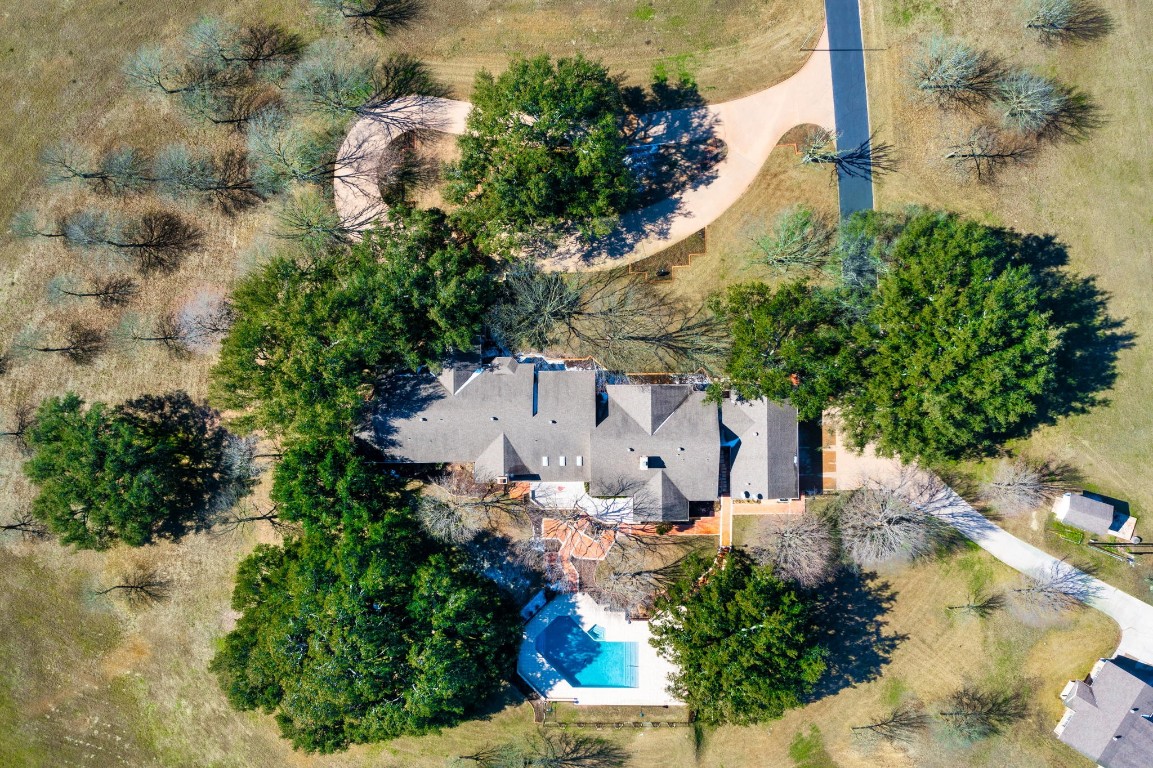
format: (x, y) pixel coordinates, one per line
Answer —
(585, 661)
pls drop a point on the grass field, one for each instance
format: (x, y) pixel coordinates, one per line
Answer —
(90, 682)
(1093, 196)
(88, 677)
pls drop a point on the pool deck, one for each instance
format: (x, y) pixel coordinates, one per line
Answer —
(652, 671)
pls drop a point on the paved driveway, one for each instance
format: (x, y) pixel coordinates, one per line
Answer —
(850, 96)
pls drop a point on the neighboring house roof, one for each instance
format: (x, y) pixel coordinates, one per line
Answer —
(763, 446)
(1111, 715)
(1088, 514)
(660, 444)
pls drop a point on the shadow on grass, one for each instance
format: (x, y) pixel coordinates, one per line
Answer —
(851, 625)
(1090, 338)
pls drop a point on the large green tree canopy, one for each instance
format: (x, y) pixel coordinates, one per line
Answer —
(957, 349)
(742, 639)
(132, 473)
(311, 336)
(366, 633)
(544, 149)
(787, 344)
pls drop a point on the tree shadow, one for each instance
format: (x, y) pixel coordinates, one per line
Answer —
(1076, 120)
(1089, 340)
(402, 397)
(851, 626)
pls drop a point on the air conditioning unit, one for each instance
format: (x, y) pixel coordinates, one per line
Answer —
(502, 480)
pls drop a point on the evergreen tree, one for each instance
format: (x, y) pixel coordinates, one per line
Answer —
(544, 149)
(957, 350)
(310, 339)
(741, 638)
(787, 344)
(133, 473)
(366, 632)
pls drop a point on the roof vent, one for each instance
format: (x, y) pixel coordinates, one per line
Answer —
(644, 462)
(493, 418)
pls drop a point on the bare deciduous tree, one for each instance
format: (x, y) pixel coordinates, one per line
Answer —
(223, 180)
(900, 725)
(1056, 587)
(981, 604)
(240, 516)
(880, 524)
(983, 152)
(456, 507)
(109, 292)
(22, 417)
(1042, 107)
(141, 586)
(335, 79)
(259, 47)
(801, 238)
(167, 330)
(625, 321)
(1068, 21)
(975, 713)
(25, 525)
(310, 218)
(869, 159)
(1019, 486)
(447, 522)
(235, 107)
(552, 749)
(951, 72)
(156, 70)
(118, 171)
(283, 152)
(159, 241)
(403, 169)
(799, 549)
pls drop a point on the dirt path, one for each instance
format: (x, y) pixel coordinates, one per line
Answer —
(749, 127)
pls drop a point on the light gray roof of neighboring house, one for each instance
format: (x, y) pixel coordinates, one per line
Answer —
(660, 441)
(1119, 704)
(1090, 515)
(507, 419)
(764, 461)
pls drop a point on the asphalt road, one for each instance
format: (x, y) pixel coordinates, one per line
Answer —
(850, 95)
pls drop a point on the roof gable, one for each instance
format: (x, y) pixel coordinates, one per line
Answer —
(649, 405)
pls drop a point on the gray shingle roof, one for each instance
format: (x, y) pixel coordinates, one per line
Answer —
(1090, 514)
(764, 456)
(659, 444)
(662, 438)
(509, 417)
(1118, 703)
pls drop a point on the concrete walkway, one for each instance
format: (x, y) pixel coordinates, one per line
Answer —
(1133, 616)
(749, 127)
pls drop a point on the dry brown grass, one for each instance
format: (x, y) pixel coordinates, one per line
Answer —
(1092, 196)
(729, 47)
(731, 255)
(93, 681)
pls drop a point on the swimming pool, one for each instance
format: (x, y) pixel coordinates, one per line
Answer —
(585, 661)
